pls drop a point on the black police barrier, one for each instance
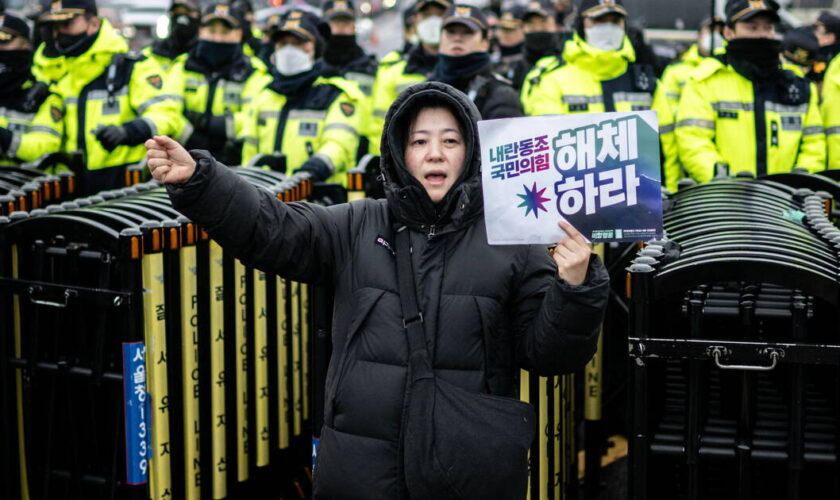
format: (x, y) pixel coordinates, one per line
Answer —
(27, 188)
(227, 352)
(734, 340)
(553, 460)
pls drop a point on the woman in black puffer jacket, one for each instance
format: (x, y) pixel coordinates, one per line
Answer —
(487, 311)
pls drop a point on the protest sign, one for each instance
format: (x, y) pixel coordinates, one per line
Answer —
(598, 171)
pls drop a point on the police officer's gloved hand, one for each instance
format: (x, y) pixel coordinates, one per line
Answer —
(5, 140)
(273, 162)
(317, 168)
(130, 133)
(111, 136)
(205, 122)
(197, 119)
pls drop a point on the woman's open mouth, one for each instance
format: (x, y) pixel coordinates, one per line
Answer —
(435, 177)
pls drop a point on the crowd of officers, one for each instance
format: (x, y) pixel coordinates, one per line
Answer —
(299, 94)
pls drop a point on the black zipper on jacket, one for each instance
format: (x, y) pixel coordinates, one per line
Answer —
(760, 130)
(431, 232)
(281, 126)
(81, 107)
(211, 93)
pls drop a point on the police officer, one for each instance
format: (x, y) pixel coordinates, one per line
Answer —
(29, 127)
(343, 57)
(746, 110)
(599, 74)
(543, 45)
(48, 64)
(510, 42)
(184, 19)
(342, 54)
(565, 15)
(311, 119)
(217, 80)
(668, 92)
(827, 31)
(395, 74)
(464, 63)
(251, 35)
(110, 105)
(709, 40)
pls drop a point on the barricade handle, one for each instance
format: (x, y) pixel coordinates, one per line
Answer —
(68, 294)
(716, 352)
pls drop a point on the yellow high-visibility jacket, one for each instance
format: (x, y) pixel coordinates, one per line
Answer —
(105, 86)
(162, 53)
(666, 100)
(34, 132)
(831, 111)
(724, 117)
(592, 81)
(321, 120)
(543, 66)
(223, 96)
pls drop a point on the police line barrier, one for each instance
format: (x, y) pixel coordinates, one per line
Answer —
(140, 360)
(734, 343)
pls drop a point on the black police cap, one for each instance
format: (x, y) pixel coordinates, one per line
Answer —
(191, 5)
(303, 25)
(542, 8)
(12, 26)
(743, 10)
(830, 22)
(221, 12)
(598, 8)
(512, 17)
(62, 10)
(339, 8)
(469, 16)
(421, 4)
(800, 46)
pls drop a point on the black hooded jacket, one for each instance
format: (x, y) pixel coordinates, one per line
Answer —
(488, 310)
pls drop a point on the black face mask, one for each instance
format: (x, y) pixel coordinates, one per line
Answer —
(511, 50)
(74, 45)
(216, 54)
(340, 50)
(453, 70)
(15, 68)
(538, 45)
(184, 29)
(754, 58)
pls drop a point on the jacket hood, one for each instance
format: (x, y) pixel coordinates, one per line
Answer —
(692, 55)
(606, 64)
(407, 199)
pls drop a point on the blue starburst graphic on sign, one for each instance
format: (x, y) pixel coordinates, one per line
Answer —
(533, 200)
